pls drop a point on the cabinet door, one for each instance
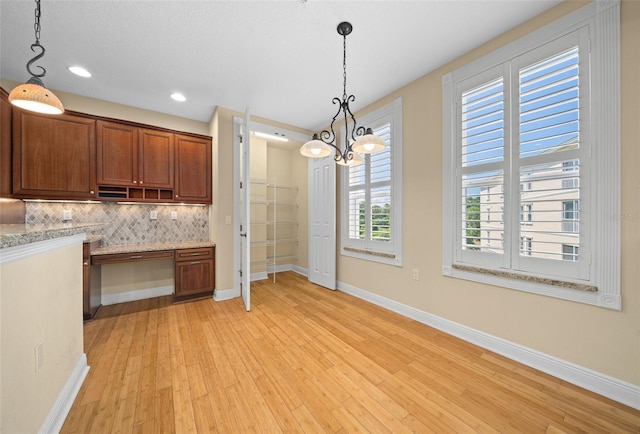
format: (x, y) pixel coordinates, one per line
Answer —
(155, 159)
(5, 145)
(54, 156)
(194, 278)
(117, 159)
(193, 170)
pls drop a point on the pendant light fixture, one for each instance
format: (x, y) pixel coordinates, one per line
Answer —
(359, 140)
(33, 95)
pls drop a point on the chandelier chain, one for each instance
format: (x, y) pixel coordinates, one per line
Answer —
(36, 25)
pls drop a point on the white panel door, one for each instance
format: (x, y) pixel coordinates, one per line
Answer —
(322, 222)
(245, 214)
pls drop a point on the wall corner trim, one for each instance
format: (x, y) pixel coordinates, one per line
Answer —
(58, 413)
(602, 384)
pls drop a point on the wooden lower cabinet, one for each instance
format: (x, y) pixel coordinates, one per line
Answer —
(195, 273)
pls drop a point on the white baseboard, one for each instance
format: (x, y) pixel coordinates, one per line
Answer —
(62, 405)
(262, 275)
(300, 270)
(137, 294)
(226, 294)
(602, 384)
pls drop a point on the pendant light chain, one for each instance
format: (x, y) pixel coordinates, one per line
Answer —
(37, 28)
(36, 25)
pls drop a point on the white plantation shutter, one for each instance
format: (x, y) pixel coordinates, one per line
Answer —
(519, 163)
(371, 194)
(552, 105)
(531, 162)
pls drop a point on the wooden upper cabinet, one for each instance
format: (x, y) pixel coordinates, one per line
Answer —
(5, 145)
(193, 169)
(134, 157)
(117, 149)
(156, 158)
(54, 156)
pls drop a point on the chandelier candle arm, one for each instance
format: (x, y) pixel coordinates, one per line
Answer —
(33, 95)
(358, 140)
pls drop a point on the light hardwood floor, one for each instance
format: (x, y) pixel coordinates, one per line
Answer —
(306, 359)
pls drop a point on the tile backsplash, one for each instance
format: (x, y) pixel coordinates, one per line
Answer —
(128, 224)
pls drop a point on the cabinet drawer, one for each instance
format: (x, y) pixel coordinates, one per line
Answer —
(194, 254)
(131, 257)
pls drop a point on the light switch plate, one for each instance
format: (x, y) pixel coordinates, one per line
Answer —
(174, 215)
(153, 215)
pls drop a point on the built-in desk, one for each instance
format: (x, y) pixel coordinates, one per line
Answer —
(194, 263)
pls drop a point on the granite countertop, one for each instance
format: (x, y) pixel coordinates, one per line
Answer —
(171, 245)
(12, 235)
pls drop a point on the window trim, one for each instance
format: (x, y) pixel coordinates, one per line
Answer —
(602, 19)
(354, 248)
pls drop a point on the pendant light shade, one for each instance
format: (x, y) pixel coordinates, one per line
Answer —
(35, 97)
(369, 143)
(32, 95)
(316, 148)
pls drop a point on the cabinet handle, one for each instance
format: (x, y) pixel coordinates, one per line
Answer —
(195, 262)
(195, 254)
(85, 263)
(136, 256)
(141, 182)
(91, 192)
(135, 182)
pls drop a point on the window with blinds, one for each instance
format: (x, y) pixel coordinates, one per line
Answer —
(371, 193)
(531, 154)
(519, 162)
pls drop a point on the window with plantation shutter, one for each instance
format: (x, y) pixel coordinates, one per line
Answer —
(528, 171)
(371, 193)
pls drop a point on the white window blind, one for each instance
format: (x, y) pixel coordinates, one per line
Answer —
(530, 164)
(371, 194)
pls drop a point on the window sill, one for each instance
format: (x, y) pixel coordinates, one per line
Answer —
(534, 285)
(372, 255)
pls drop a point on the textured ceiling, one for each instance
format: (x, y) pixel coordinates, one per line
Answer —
(282, 59)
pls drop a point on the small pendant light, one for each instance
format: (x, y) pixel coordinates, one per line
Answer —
(33, 95)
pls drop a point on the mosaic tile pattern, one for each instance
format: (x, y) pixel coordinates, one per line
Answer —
(128, 224)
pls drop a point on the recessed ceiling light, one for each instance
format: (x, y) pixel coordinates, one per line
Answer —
(79, 70)
(178, 97)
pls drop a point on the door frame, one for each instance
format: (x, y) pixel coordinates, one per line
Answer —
(237, 205)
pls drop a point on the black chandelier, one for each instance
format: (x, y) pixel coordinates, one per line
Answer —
(33, 95)
(359, 140)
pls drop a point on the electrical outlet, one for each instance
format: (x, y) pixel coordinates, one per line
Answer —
(227, 220)
(153, 215)
(416, 274)
(39, 355)
(174, 215)
(67, 215)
